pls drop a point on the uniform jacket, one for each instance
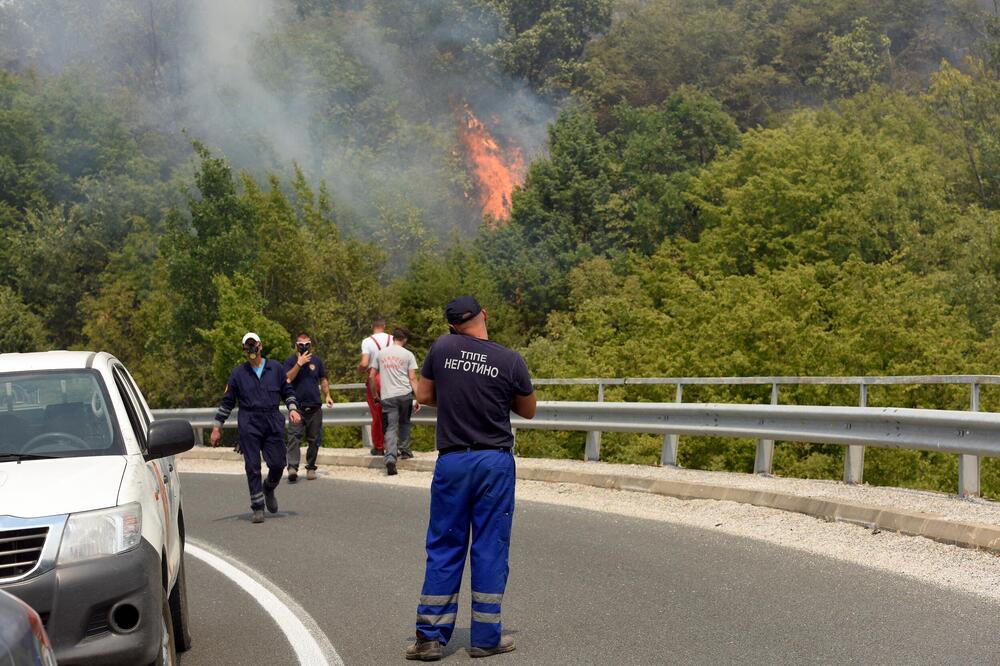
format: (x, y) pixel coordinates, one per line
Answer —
(258, 398)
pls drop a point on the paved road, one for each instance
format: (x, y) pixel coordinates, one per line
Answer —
(585, 588)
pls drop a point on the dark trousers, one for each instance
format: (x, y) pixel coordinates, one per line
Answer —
(266, 442)
(396, 413)
(311, 427)
(472, 492)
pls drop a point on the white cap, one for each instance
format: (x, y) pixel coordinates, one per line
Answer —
(250, 336)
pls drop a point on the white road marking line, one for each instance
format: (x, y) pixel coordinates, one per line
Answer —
(310, 644)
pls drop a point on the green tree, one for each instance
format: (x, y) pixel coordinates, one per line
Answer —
(761, 58)
(21, 330)
(771, 204)
(660, 316)
(603, 193)
(968, 105)
(27, 175)
(541, 38)
(434, 278)
(218, 237)
(856, 59)
(241, 309)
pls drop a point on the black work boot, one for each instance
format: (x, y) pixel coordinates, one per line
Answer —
(270, 501)
(390, 468)
(506, 644)
(293, 475)
(424, 650)
(258, 516)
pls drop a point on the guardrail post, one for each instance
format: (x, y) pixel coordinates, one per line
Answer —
(765, 447)
(199, 436)
(854, 458)
(968, 466)
(366, 436)
(668, 455)
(593, 449)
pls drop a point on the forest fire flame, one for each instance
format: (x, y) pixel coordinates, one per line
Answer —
(497, 170)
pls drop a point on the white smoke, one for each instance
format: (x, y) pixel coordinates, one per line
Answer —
(228, 73)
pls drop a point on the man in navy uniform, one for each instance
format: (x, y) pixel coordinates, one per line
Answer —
(306, 372)
(475, 384)
(258, 385)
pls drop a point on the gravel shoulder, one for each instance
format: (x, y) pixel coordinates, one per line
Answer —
(951, 567)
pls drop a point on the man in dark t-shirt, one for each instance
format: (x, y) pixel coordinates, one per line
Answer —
(306, 373)
(475, 384)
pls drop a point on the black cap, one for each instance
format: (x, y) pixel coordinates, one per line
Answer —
(461, 310)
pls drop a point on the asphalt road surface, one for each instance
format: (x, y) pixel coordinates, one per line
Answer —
(585, 588)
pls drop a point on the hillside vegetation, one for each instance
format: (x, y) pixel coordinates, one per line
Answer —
(712, 188)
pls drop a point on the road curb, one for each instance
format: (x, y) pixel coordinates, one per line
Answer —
(931, 526)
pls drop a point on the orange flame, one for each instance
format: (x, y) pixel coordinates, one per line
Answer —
(497, 171)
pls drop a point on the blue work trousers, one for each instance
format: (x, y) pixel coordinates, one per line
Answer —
(472, 494)
(262, 435)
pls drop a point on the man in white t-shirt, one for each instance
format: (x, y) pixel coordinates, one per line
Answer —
(395, 368)
(370, 346)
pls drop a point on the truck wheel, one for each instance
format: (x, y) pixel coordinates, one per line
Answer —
(179, 611)
(166, 654)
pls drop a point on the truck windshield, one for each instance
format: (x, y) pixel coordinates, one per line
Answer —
(55, 414)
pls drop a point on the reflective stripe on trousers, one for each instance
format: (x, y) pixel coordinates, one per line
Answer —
(486, 607)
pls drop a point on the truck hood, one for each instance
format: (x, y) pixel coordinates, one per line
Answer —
(36, 488)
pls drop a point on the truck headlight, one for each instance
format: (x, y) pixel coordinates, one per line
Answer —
(100, 533)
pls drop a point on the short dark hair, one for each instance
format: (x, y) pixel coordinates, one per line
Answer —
(378, 320)
(303, 334)
(400, 333)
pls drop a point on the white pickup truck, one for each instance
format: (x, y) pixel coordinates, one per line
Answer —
(91, 522)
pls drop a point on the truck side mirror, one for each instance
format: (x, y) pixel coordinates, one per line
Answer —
(169, 437)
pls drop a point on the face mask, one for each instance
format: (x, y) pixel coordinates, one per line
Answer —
(303, 347)
(251, 349)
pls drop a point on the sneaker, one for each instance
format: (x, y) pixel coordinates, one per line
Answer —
(390, 468)
(405, 455)
(310, 475)
(258, 516)
(270, 501)
(293, 475)
(424, 650)
(378, 452)
(506, 644)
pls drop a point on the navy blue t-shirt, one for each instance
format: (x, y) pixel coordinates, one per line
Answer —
(476, 381)
(306, 383)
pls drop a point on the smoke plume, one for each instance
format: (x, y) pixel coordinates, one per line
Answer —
(366, 97)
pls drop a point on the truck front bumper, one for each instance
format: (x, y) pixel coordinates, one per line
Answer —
(102, 611)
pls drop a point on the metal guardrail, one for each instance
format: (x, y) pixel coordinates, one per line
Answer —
(854, 459)
(895, 380)
(964, 433)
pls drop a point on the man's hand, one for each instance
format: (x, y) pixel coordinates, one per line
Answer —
(329, 400)
(304, 358)
(416, 406)
(215, 436)
(295, 416)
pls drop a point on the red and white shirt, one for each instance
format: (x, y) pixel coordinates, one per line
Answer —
(374, 342)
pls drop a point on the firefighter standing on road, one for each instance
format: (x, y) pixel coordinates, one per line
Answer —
(475, 384)
(257, 386)
(307, 374)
